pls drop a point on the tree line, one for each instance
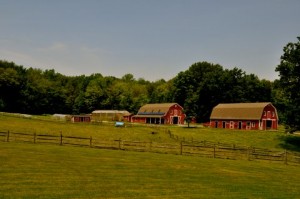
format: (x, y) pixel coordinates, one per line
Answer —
(198, 89)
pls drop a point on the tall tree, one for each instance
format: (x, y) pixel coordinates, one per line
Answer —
(205, 85)
(198, 89)
(11, 85)
(289, 82)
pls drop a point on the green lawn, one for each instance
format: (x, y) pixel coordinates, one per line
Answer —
(107, 131)
(104, 131)
(261, 139)
(49, 171)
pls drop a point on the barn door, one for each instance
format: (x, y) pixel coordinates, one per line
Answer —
(175, 120)
(224, 125)
(240, 125)
(216, 124)
(269, 124)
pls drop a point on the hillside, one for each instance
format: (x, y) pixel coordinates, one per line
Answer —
(47, 171)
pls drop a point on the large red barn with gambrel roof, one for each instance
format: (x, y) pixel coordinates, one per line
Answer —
(258, 116)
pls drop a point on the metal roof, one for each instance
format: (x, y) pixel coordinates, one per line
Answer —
(111, 112)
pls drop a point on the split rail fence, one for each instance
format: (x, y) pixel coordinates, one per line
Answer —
(192, 148)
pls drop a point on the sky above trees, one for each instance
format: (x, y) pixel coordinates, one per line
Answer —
(149, 39)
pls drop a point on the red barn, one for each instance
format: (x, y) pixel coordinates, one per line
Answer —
(81, 118)
(166, 113)
(258, 116)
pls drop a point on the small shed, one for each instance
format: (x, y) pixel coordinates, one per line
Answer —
(81, 118)
(257, 116)
(128, 117)
(62, 117)
(164, 113)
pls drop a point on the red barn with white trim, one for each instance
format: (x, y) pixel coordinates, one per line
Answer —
(165, 113)
(257, 116)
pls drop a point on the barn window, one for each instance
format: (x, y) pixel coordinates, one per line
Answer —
(265, 114)
(273, 114)
(248, 123)
(252, 124)
(231, 124)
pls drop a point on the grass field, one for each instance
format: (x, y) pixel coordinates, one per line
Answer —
(47, 171)
(260, 139)
(53, 171)
(104, 131)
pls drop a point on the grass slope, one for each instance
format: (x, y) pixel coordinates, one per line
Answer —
(260, 139)
(105, 131)
(47, 171)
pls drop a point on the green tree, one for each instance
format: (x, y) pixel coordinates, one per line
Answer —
(11, 84)
(160, 91)
(95, 93)
(198, 89)
(128, 77)
(204, 85)
(289, 82)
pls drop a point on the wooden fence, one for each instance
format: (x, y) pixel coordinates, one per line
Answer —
(192, 148)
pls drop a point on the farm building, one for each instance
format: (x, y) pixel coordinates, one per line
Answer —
(166, 113)
(128, 117)
(108, 115)
(81, 118)
(61, 117)
(258, 116)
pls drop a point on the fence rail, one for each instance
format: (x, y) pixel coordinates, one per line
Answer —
(192, 148)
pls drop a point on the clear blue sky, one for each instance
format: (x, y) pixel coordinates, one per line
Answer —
(151, 39)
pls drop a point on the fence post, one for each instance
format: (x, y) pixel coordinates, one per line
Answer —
(91, 141)
(7, 138)
(61, 138)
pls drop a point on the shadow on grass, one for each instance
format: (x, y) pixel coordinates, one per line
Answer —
(290, 142)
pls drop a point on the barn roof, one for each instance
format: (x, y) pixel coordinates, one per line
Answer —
(249, 111)
(83, 115)
(155, 109)
(111, 112)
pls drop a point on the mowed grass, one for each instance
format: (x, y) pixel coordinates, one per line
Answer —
(50, 171)
(102, 131)
(254, 138)
(107, 131)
